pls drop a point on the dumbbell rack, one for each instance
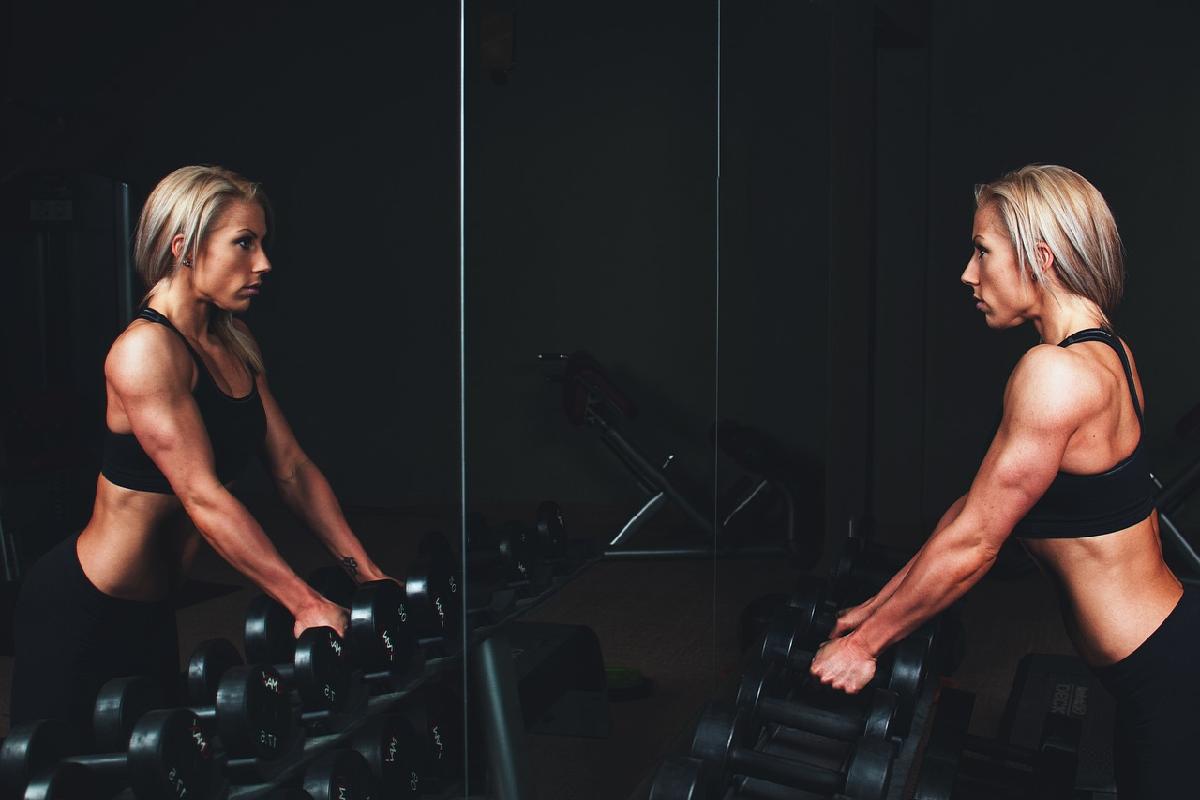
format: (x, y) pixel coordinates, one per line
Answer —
(784, 742)
(316, 746)
(493, 674)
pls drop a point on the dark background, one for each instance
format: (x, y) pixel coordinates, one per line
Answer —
(782, 247)
(349, 120)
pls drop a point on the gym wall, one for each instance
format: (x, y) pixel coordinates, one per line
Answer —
(350, 122)
(1110, 91)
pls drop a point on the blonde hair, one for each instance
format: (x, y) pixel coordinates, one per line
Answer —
(188, 202)
(1060, 208)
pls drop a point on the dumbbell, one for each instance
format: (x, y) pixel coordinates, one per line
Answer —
(902, 668)
(169, 754)
(251, 711)
(498, 574)
(340, 775)
(812, 614)
(760, 696)
(431, 592)
(438, 712)
(397, 755)
(510, 556)
(381, 639)
(724, 739)
(66, 781)
(314, 664)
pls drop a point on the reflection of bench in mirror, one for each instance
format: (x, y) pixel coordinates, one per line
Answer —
(760, 505)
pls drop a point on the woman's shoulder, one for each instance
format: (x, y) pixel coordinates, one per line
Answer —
(1051, 382)
(147, 355)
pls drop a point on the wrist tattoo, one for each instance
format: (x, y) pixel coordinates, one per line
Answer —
(350, 565)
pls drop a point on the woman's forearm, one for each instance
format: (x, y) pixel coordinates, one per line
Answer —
(238, 538)
(892, 585)
(308, 494)
(941, 572)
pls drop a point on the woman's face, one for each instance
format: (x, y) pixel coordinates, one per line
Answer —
(232, 263)
(993, 273)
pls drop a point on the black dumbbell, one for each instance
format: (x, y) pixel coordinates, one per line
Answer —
(250, 709)
(509, 557)
(397, 755)
(430, 597)
(759, 693)
(812, 612)
(431, 592)
(724, 740)
(902, 669)
(438, 712)
(314, 664)
(169, 754)
(501, 569)
(812, 615)
(340, 775)
(381, 639)
(437, 544)
(66, 781)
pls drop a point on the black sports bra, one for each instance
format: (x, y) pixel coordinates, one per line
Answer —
(236, 427)
(1092, 505)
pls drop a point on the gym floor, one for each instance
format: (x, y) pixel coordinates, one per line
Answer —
(657, 616)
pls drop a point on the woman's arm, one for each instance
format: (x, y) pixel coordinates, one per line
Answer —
(1044, 404)
(1042, 408)
(307, 493)
(151, 375)
(850, 618)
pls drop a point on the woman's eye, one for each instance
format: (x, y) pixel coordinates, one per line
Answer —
(243, 243)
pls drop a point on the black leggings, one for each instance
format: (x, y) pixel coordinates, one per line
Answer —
(71, 638)
(1157, 689)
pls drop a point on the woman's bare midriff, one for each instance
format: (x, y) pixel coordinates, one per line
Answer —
(1114, 589)
(137, 545)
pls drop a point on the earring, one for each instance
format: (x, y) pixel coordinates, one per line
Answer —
(187, 261)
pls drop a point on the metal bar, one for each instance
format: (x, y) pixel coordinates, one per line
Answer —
(667, 553)
(662, 483)
(762, 485)
(640, 518)
(496, 678)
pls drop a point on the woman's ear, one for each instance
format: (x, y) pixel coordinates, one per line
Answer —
(1045, 259)
(177, 249)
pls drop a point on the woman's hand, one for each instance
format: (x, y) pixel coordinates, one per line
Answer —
(322, 613)
(844, 665)
(848, 619)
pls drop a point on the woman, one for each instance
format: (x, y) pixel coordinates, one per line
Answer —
(188, 403)
(1067, 474)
